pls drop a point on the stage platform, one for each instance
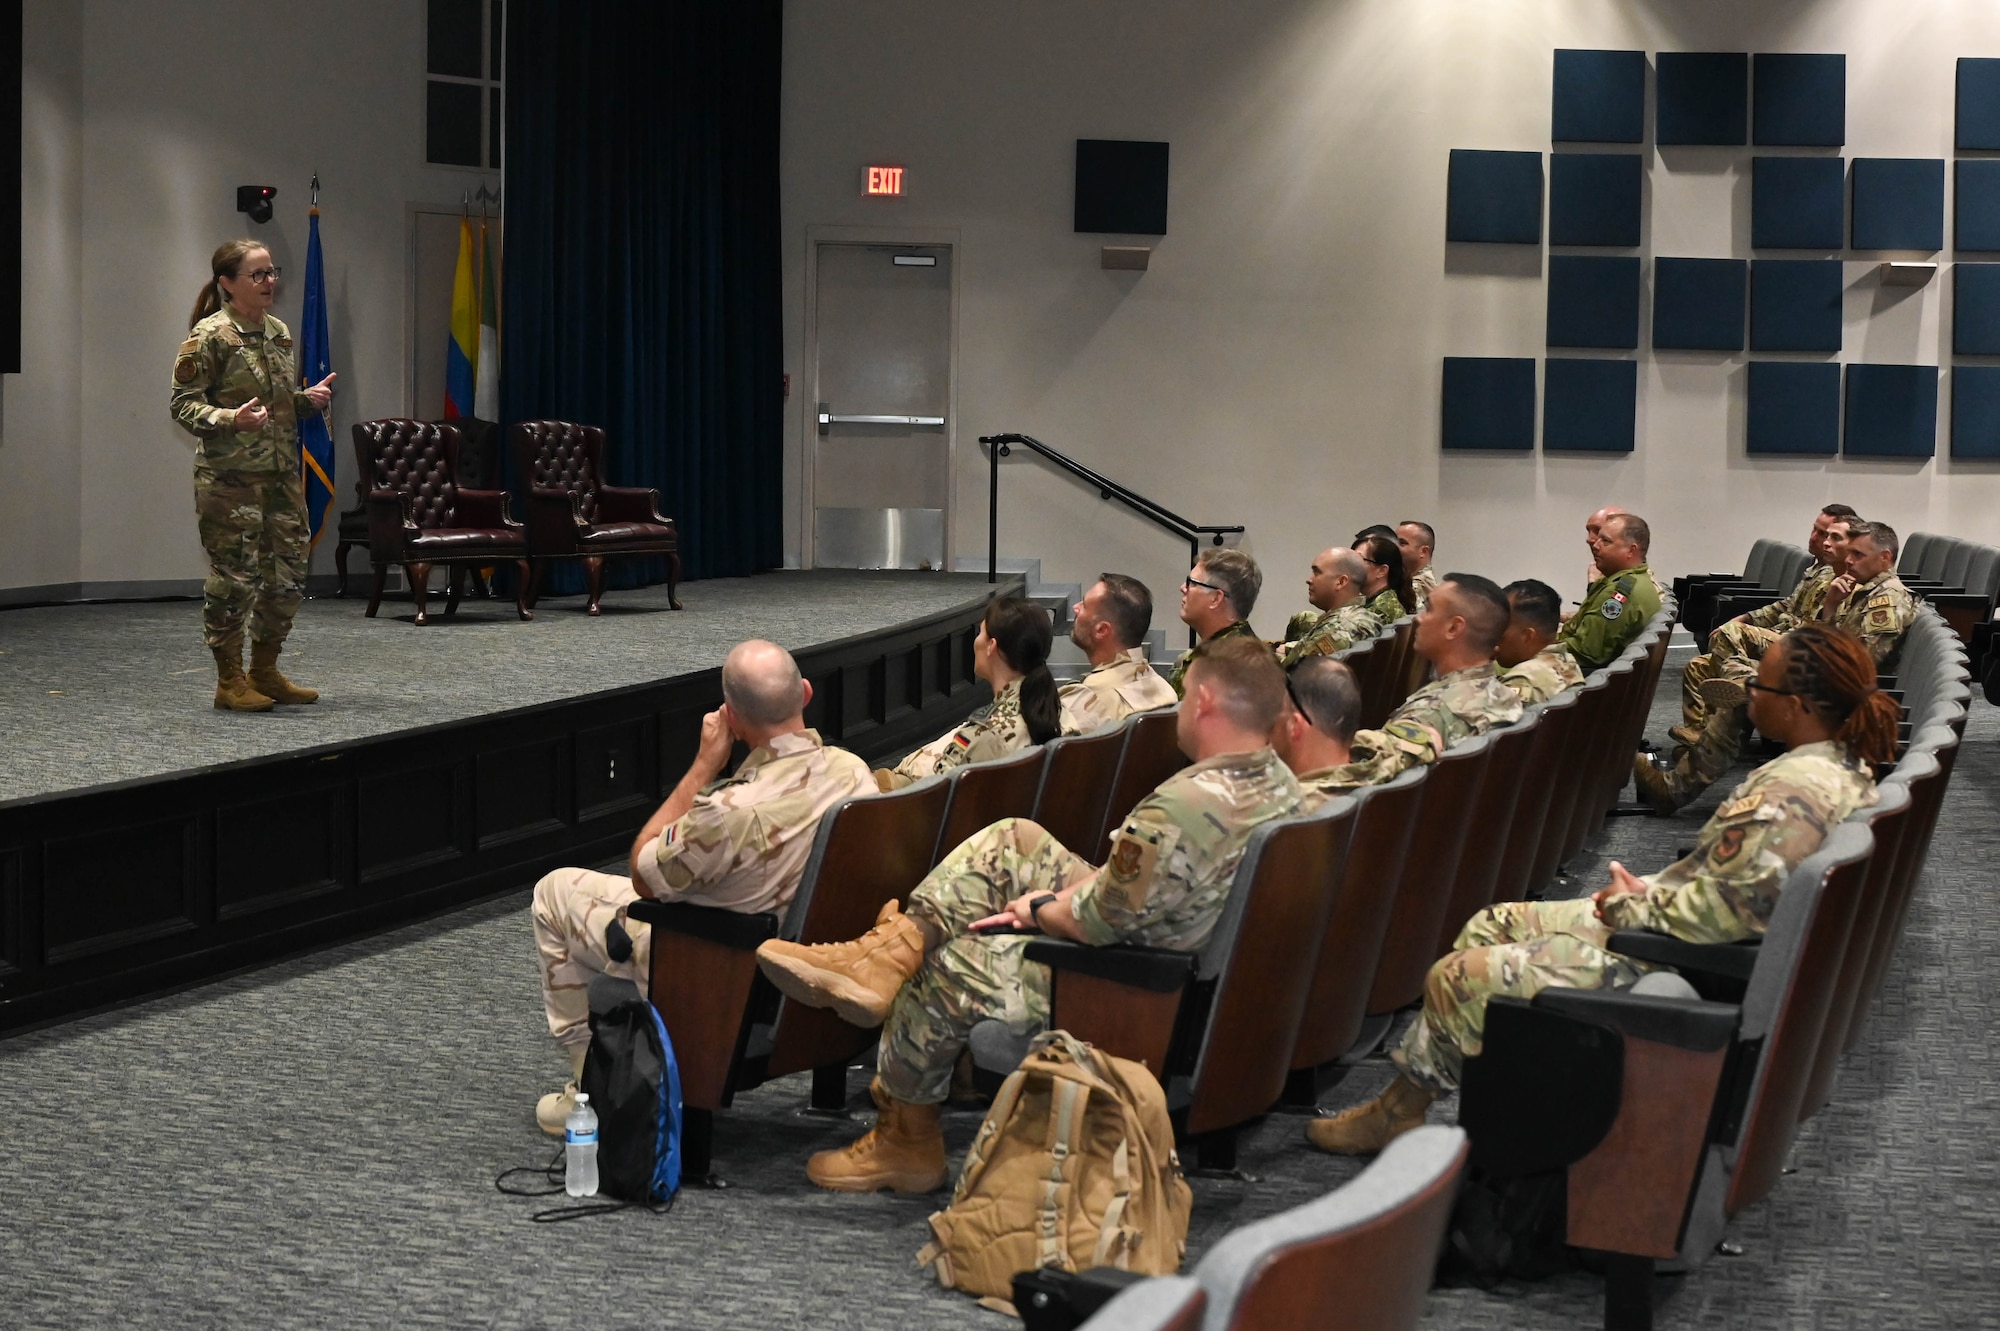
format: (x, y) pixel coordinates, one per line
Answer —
(148, 841)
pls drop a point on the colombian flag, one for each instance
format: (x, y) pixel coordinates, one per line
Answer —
(461, 366)
(315, 434)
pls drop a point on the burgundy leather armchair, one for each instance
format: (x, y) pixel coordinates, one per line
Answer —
(478, 468)
(572, 514)
(418, 514)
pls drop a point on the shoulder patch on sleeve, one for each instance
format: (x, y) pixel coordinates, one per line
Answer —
(186, 369)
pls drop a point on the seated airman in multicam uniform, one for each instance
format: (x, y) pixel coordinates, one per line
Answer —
(1217, 597)
(1817, 696)
(1868, 600)
(1011, 654)
(927, 976)
(1323, 710)
(737, 843)
(1534, 661)
(1340, 616)
(1388, 584)
(1419, 546)
(1110, 625)
(1456, 632)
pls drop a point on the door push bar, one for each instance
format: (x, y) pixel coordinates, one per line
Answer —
(827, 418)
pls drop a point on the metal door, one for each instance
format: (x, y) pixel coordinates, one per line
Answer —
(879, 430)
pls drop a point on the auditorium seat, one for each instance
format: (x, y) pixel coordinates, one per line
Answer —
(1516, 879)
(419, 515)
(574, 514)
(1487, 819)
(1152, 753)
(984, 793)
(1076, 786)
(1387, 684)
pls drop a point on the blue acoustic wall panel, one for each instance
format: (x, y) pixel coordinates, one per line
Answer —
(1794, 408)
(1899, 203)
(1798, 203)
(1489, 402)
(1795, 304)
(1493, 196)
(1975, 309)
(1593, 301)
(1702, 97)
(1588, 406)
(1891, 411)
(1594, 198)
(1978, 103)
(1799, 99)
(1976, 204)
(1600, 97)
(1975, 411)
(1698, 304)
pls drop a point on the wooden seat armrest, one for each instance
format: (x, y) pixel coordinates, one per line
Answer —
(729, 928)
(1732, 961)
(1121, 999)
(1683, 1023)
(1151, 968)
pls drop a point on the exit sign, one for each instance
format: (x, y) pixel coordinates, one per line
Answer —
(885, 180)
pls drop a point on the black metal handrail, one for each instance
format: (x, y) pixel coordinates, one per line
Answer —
(1000, 445)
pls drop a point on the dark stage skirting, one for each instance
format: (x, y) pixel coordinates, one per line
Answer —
(148, 841)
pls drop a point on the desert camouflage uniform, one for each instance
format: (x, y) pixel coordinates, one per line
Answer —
(1169, 872)
(1178, 679)
(1113, 691)
(742, 846)
(1386, 607)
(994, 731)
(249, 496)
(1723, 891)
(1323, 635)
(1422, 584)
(1735, 648)
(1611, 617)
(1440, 714)
(1542, 676)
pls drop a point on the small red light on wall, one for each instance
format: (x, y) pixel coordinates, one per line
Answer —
(885, 180)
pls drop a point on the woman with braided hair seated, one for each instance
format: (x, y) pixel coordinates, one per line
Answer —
(1815, 693)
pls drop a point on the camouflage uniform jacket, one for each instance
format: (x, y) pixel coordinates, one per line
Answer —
(1460, 705)
(1316, 788)
(1728, 886)
(1612, 616)
(994, 731)
(1178, 679)
(1172, 863)
(1542, 676)
(1386, 607)
(1113, 691)
(1422, 584)
(1801, 607)
(223, 364)
(1335, 631)
(744, 842)
(1877, 612)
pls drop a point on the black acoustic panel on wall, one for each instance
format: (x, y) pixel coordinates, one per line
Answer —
(1795, 304)
(1599, 97)
(1891, 411)
(1978, 113)
(1594, 198)
(10, 189)
(1975, 309)
(1121, 186)
(1489, 403)
(1800, 100)
(1698, 304)
(1899, 203)
(1589, 406)
(1493, 197)
(1975, 206)
(1593, 301)
(1794, 408)
(1702, 97)
(1975, 411)
(1798, 203)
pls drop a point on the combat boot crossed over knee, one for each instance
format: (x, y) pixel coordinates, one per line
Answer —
(903, 1152)
(859, 980)
(270, 681)
(233, 692)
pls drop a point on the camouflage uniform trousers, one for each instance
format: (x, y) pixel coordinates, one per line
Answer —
(254, 527)
(969, 978)
(571, 908)
(1733, 652)
(1517, 948)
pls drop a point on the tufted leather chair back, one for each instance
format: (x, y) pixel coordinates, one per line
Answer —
(561, 455)
(415, 457)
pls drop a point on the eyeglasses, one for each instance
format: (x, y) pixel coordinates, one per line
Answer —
(1188, 584)
(1293, 694)
(1766, 688)
(263, 275)
(1378, 563)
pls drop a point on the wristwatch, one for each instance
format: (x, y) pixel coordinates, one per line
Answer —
(1035, 905)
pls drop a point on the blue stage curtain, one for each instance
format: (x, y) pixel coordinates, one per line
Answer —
(642, 259)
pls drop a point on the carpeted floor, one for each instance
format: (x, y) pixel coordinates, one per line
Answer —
(315, 1145)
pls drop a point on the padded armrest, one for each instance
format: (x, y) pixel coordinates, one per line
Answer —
(554, 518)
(1152, 968)
(622, 503)
(1684, 1023)
(727, 927)
(389, 523)
(481, 508)
(1734, 961)
(1733, 603)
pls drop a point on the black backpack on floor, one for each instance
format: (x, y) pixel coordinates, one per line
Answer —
(634, 1086)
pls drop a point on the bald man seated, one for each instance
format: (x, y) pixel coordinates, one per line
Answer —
(1340, 614)
(737, 843)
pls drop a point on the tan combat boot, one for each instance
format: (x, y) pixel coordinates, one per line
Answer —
(1723, 695)
(1687, 736)
(858, 980)
(903, 1152)
(232, 691)
(552, 1111)
(270, 681)
(1662, 789)
(1368, 1128)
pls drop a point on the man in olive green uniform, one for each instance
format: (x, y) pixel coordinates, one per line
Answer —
(1110, 625)
(738, 843)
(927, 976)
(1340, 616)
(1418, 543)
(1533, 659)
(1621, 602)
(1216, 600)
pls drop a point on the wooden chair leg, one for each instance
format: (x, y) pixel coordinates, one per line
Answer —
(593, 570)
(456, 590)
(532, 583)
(375, 598)
(673, 578)
(420, 586)
(340, 567)
(523, 576)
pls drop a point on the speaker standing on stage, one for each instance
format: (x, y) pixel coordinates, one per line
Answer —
(233, 392)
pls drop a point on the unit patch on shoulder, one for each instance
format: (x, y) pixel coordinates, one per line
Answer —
(186, 370)
(1614, 607)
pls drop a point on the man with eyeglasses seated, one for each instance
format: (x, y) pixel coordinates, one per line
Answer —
(1110, 624)
(1622, 601)
(1217, 597)
(1323, 710)
(1534, 661)
(1340, 616)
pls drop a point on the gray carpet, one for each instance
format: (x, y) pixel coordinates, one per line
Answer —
(315, 1144)
(70, 676)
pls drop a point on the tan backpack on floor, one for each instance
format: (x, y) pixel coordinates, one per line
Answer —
(1074, 1167)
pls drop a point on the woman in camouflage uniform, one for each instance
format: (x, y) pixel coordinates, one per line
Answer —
(1011, 653)
(233, 392)
(1388, 586)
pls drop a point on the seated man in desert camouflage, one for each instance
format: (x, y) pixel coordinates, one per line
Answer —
(1534, 661)
(1340, 616)
(737, 843)
(1110, 625)
(1323, 710)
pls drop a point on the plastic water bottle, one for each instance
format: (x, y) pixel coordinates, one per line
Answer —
(580, 1149)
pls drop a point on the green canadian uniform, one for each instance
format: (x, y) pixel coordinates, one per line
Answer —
(1178, 679)
(1611, 617)
(1323, 635)
(1164, 885)
(250, 504)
